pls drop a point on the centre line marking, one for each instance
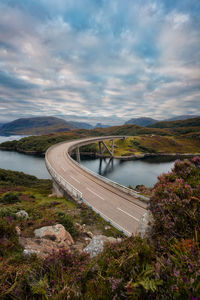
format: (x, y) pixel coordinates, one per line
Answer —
(74, 179)
(94, 193)
(62, 168)
(127, 214)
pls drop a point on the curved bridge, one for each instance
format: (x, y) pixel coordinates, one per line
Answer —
(121, 206)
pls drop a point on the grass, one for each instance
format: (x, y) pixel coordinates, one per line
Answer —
(42, 209)
(163, 266)
(156, 144)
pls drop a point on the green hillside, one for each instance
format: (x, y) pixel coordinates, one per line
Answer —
(194, 122)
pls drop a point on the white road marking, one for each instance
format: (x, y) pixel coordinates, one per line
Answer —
(63, 169)
(128, 214)
(74, 179)
(95, 194)
(108, 219)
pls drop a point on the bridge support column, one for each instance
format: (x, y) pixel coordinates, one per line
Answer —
(100, 148)
(112, 147)
(57, 190)
(78, 155)
(106, 147)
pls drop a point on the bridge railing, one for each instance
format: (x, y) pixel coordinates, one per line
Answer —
(111, 182)
(64, 184)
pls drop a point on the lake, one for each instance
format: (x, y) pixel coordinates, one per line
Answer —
(143, 171)
(133, 172)
(29, 164)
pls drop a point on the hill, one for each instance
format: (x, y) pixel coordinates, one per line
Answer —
(35, 126)
(100, 125)
(182, 117)
(141, 121)
(193, 122)
(81, 125)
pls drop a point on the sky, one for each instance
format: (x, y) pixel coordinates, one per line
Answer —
(99, 60)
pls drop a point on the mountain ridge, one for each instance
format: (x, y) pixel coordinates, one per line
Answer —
(146, 121)
(36, 125)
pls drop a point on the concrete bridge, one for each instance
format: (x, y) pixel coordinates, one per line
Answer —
(121, 206)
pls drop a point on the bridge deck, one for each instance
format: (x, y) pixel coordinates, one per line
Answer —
(119, 207)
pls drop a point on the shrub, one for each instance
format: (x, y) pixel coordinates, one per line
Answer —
(175, 203)
(68, 223)
(8, 212)
(10, 198)
(8, 237)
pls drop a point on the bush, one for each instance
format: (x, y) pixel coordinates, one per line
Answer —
(8, 237)
(68, 223)
(10, 198)
(8, 212)
(175, 203)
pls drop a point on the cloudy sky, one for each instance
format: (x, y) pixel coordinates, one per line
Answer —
(99, 60)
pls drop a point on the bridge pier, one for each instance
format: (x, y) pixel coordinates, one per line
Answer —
(106, 147)
(78, 158)
(57, 190)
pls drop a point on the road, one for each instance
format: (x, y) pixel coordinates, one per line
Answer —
(120, 208)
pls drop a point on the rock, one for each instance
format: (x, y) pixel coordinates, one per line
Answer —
(107, 227)
(22, 214)
(18, 230)
(87, 239)
(29, 252)
(79, 227)
(145, 224)
(52, 195)
(47, 239)
(97, 244)
(56, 233)
(89, 234)
(41, 247)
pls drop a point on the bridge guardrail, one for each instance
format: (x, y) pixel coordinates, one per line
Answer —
(66, 186)
(61, 181)
(73, 191)
(111, 182)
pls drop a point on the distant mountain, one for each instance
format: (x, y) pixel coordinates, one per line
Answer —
(81, 125)
(35, 126)
(99, 125)
(141, 121)
(182, 117)
(193, 122)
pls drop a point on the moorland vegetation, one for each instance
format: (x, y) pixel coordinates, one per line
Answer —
(163, 265)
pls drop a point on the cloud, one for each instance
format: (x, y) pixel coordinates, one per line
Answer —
(97, 58)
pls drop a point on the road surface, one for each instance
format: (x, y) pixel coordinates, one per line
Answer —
(120, 208)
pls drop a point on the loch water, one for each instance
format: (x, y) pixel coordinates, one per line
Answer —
(134, 172)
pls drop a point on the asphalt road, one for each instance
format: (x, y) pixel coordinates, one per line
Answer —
(121, 208)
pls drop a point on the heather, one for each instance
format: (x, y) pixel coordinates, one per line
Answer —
(163, 265)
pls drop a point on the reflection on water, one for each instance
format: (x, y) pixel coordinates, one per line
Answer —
(144, 171)
(108, 168)
(134, 172)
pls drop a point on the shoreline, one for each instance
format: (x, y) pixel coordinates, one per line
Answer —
(139, 156)
(97, 155)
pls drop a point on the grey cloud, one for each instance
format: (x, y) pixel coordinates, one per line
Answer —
(52, 67)
(12, 82)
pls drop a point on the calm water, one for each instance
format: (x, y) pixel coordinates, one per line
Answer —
(126, 173)
(4, 138)
(29, 164)
(132, 173)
